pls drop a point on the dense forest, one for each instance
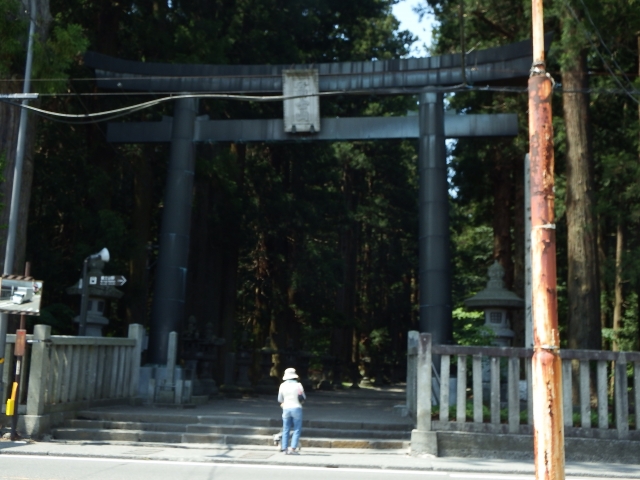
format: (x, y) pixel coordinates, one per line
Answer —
(314, 245)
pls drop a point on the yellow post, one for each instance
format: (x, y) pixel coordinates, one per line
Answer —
(11, 402)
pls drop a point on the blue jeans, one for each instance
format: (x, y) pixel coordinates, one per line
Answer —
(291, 417)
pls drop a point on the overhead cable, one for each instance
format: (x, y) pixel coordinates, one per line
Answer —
(108, 115)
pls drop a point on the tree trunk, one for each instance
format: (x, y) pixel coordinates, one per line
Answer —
(638, 288)
(582, 284)
(203, 300)
(137, 303)
(282, 246)
(617, 306)
(502, 184)
(342, 336)
(518, 215)
(229, 284)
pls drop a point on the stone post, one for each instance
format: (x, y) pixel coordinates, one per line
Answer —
(413, 340)
(423, 440)
(337, 374)
(167, 384)
(267, 383)
(172, 355)
(327, 364)
(136, 331)
(354, 373)
(36, 422)
(243, 361)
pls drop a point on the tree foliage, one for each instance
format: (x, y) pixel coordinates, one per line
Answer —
(582, 29)
(300, 245)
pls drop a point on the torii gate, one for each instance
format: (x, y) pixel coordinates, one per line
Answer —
(427, 77)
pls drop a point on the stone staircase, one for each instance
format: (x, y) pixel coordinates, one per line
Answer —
(97, 425)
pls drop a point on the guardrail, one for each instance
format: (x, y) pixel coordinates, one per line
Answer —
(68, 373)
(491, 387)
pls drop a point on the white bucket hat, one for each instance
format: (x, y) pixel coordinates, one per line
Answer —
(289, 374)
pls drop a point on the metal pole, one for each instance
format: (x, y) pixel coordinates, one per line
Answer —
(17, 173)
(17, 181)
(548, 425)
(84, 299)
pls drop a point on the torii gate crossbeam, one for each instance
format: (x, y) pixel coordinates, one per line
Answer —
(333, 129)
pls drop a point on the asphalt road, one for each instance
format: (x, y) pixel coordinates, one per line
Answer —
(30, 306)
(27, 467)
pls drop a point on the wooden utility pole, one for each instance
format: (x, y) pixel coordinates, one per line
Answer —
(548, 437)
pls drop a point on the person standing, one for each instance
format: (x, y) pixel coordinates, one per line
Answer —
(289, 396)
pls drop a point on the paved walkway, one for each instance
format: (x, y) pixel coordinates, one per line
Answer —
(347, 405)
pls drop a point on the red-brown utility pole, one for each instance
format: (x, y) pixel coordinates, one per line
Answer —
(548, 436)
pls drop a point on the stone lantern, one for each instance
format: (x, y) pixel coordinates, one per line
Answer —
(98, 297)
(497, 303)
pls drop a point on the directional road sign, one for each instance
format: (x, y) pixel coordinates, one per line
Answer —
(105, 280)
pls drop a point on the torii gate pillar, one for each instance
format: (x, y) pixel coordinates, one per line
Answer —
(171, 279)
(434, 250)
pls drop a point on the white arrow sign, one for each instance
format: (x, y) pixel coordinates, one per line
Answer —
(108, 280)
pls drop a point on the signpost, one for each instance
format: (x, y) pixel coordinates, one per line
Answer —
(108, 280)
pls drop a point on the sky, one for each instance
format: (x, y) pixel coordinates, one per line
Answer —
(409, 20)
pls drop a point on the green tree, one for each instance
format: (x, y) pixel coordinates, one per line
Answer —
(589, 54)
(268, 220)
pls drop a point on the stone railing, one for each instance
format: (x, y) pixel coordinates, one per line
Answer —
(64, 374)
(490, 389)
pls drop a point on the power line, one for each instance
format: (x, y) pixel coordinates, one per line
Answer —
(108, 115)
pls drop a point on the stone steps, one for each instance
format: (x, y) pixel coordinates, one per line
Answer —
(234, 430)
(95, 425)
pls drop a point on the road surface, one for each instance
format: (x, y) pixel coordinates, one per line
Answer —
(35, 467)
